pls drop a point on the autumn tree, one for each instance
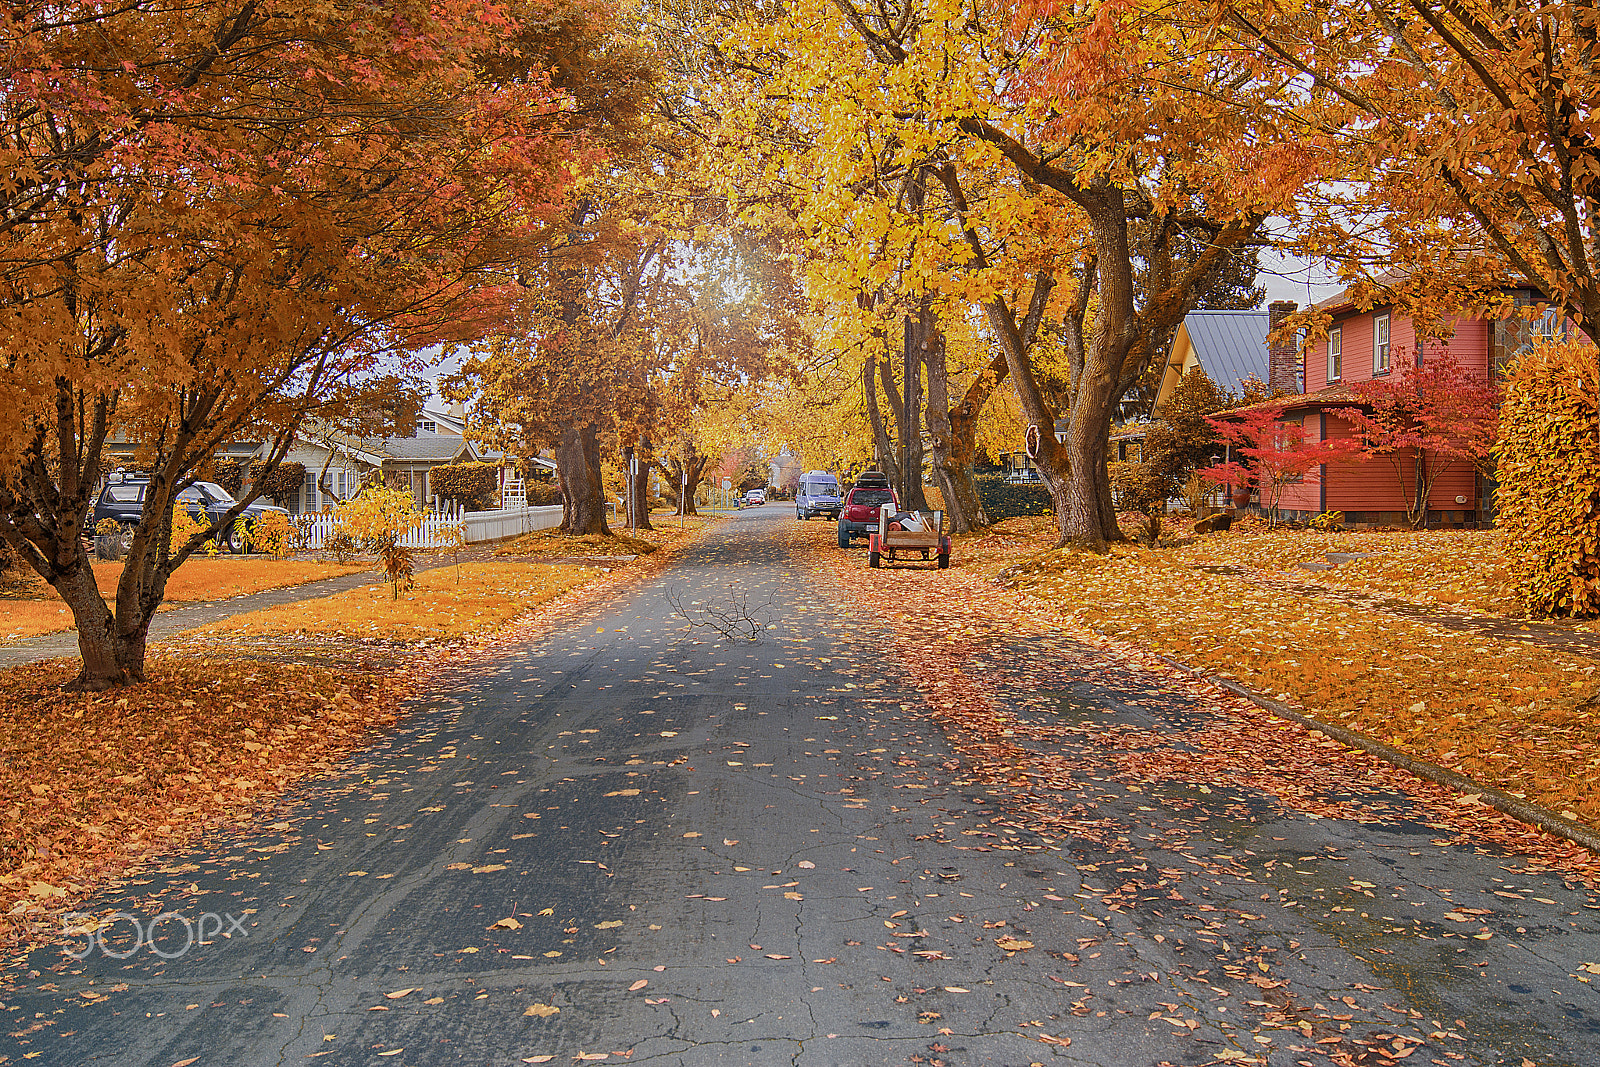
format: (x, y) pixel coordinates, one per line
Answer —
(1424, 421)
(1477, 166)
(1272, 452)
(1031, 167)
(224, 217)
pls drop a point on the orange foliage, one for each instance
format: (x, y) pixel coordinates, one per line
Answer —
(88, 782)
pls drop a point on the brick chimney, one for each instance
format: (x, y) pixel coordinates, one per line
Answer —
(1283, 354)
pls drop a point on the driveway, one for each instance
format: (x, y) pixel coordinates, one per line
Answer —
(636, 840)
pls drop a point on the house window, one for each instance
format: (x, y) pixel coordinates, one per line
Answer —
(429, 426)
(1551, 326)
(1380, 345)
(1335, 354)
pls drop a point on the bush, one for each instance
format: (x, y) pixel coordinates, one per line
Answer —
(474, 486)
(230, 475)
(269, 533)
(1005, 501)
(1549, 496)
(1331, 521)
(379, 518)
(282, 484)
(544, 494)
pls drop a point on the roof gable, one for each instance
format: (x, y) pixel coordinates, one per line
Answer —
(1230, 345)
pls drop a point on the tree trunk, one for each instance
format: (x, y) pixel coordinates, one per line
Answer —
(639, 487)
(912, 497)
(952, 433)
(582, 496)
(882, 446)
(106, 663)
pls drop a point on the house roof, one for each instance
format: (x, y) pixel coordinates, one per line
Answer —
(423, 448)
(1230, 345)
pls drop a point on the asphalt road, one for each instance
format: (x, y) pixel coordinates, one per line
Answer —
(634, 840)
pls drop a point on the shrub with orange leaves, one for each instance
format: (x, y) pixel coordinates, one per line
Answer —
(379, 518)
(1549, 477)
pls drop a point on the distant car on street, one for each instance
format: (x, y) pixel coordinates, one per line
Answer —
(122, 500)
(817, 494)
(754, 497)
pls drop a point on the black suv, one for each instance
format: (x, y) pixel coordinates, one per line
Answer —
(122, 500)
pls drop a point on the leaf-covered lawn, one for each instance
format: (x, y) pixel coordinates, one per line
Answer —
(446, 602)
(1503, 711)
(88, 782)
(28, 618)
(40, 611)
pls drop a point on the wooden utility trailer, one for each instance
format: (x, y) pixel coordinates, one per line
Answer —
(897, 545)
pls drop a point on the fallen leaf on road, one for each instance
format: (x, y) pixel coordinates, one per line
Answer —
(805, 865)
(609, 924)
(623, 793)
(488, 868)
(434, 1000)
(537, 1059)
(793, 896)
(543, 1011)
(955, 989)
(691, 833)
(1013, 944)
(392, 1052)
(775, 956)
(640, 984)
(185, 1063)
(730, 842)
(508, 923)
(398, 993)
(547, 911)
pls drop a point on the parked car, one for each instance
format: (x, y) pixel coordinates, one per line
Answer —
(754, 497)
(122, 500)
(818, 494)
(859, 516)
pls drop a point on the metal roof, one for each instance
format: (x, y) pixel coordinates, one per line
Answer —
(1230, 345)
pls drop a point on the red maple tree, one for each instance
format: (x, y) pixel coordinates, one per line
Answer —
(1273, 453)
(1425, 420)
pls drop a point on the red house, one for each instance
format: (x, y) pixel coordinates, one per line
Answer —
(1372, 343)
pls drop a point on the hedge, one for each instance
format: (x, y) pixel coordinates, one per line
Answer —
(1002, 500)
(544, 494)
(475, 486)
(1549, 493)
(282, 483)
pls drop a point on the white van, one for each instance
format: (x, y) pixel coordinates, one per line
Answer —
(817, 494)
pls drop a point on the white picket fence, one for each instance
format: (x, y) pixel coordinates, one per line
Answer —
(438, 529)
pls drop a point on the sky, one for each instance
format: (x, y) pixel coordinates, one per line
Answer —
(1293, 278)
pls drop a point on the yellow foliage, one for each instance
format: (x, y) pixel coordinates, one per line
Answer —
(379, 515)
(440, 604)
(1548, 465)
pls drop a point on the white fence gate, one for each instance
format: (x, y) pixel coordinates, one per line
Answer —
(439, 529)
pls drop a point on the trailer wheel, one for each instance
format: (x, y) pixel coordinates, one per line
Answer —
(944, 560)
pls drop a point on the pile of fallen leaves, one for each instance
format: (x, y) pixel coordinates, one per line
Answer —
(89, 782)
(449, 601)
(1504, 711)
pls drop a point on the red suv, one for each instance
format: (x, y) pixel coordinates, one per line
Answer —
(860, 515)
